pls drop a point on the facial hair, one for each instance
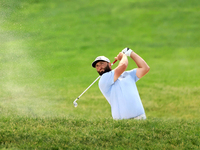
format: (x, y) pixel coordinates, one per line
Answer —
(106, 69)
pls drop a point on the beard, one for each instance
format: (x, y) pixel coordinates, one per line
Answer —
(106, 69)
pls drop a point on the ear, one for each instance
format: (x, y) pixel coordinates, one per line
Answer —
(110, 65)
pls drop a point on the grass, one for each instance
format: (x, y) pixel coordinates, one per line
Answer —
(46, 50)
(62, 133)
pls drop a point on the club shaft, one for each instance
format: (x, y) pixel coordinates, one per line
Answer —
(91, 84)
(114, 62)
(88, 87)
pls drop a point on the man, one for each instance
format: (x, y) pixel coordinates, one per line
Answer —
(119, 86)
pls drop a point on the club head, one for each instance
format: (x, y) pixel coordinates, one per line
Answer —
(75, 104)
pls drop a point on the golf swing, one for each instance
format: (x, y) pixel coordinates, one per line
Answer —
(119, 86)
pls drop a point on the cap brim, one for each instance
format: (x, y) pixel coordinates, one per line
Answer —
(95, 62)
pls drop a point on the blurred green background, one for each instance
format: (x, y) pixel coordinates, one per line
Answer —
(47, 47)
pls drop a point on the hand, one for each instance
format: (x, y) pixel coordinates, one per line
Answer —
(127, 51)
(119, 56)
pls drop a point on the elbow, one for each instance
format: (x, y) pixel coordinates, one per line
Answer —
(125, 64)
(142, 71)
(147, 69)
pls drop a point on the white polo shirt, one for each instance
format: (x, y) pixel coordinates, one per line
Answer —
(122, 95)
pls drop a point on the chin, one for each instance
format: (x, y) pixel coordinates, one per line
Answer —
(101, 73)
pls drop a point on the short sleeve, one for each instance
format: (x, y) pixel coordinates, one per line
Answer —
(133, 74)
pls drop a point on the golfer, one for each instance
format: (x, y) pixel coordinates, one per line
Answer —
(119, 86)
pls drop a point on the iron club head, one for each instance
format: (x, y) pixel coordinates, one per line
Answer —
(75, 104)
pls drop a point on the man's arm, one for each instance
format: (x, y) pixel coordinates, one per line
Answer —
(143, 67)
(122, 65)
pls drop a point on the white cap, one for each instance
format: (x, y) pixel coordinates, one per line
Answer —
(100, 58)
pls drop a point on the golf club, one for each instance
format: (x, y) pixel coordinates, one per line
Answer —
(75, 103)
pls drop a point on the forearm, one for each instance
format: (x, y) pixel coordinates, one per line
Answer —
(143, 68)
(139, 61)
(123, 61)
(122, 65)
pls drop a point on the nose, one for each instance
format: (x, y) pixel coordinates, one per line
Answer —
(99, 68)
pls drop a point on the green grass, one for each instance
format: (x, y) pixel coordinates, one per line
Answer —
(62, 133)
(46, 50)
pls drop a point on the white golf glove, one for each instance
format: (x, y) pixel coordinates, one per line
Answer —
(127, 51)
